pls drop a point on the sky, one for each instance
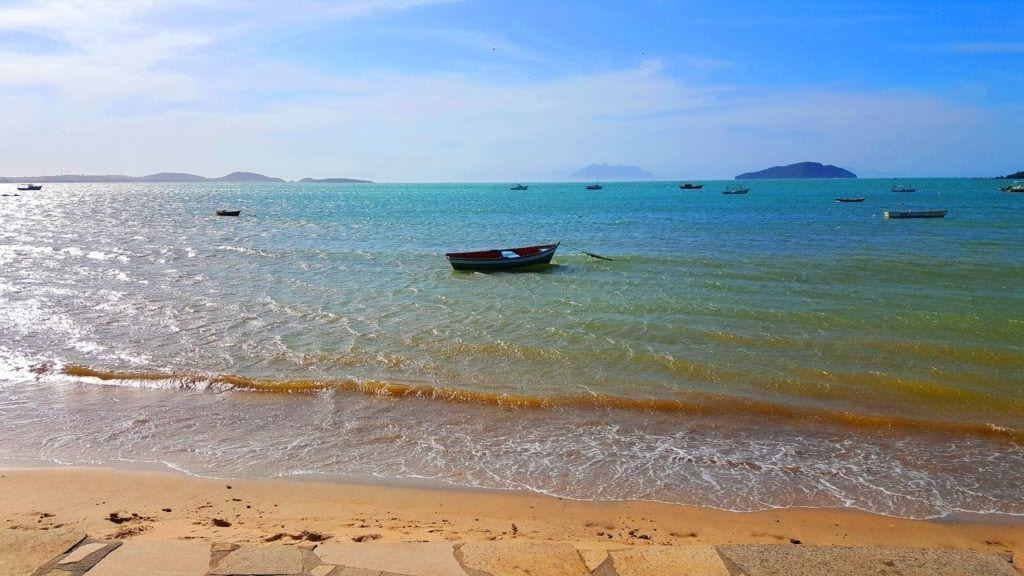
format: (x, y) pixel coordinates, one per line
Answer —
(523, 90)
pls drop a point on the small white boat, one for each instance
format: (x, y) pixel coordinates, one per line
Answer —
(916, 214)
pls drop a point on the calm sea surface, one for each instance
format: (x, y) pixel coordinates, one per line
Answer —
(773, 349)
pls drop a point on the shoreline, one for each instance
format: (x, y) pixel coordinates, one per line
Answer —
(440, 486)
(144, 505)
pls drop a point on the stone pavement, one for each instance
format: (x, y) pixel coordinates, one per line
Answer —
(69, 554)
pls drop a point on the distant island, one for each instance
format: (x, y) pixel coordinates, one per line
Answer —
(334, 181)
(167, 177)
(612, 172)
(1014, 176)
(799, 170)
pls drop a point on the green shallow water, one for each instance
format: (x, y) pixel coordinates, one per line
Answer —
(767, 318)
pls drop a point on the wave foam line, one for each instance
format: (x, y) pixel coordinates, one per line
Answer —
(700, 404)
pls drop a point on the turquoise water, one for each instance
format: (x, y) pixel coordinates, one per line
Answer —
(741, 351)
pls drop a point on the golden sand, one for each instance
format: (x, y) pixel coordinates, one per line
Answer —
(108, 503)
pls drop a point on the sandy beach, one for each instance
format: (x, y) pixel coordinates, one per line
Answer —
(140, 505)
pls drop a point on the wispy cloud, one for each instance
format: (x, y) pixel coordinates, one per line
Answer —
(423, 127)
(354, 8)
(145, 86)
(100, 52)
(480, 41)
(986, 47)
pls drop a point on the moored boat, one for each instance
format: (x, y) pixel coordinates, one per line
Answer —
(30, 186)
(916, 214)
(855, 199)
(903, 189)
(228, 212)
(689, 186)
(594, 187)
(735, 190)
(502, 259)
(1015, 187)
(520, 187)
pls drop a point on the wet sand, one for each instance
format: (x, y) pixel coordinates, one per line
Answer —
(121, 504)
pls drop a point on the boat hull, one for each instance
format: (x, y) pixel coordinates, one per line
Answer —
(503, 259)
(860, 199)
(916, 214)
(228, 212)
(25, 187)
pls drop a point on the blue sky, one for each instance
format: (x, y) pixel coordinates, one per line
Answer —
(469, 90)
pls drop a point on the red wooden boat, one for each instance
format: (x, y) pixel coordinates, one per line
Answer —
(503, 259)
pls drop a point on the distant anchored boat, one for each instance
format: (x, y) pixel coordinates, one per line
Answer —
(735, 190)
(855, 199)
(594, 187)
(519, 187)
(1015, 187)
(903, 189)
(30, 186)
(502, 259)
(689, 186)
(916, 214)
(228, 212)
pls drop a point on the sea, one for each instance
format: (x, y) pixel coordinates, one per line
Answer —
(770, 350)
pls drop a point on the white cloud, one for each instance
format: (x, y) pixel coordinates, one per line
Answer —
(354, 8)
(987, 47)
(132, 92)
(403, 127)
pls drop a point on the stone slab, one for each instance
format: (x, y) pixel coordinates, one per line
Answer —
(522, 559)
(782, 560)
(79, 554)
(24, 551)
(258, 559)
(690, 560)
(593, 557)
(412, 558)
(223, 547)
(156, 558)
(322, 570)
(349, 571)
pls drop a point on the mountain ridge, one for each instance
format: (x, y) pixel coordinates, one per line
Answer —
(612, 172)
